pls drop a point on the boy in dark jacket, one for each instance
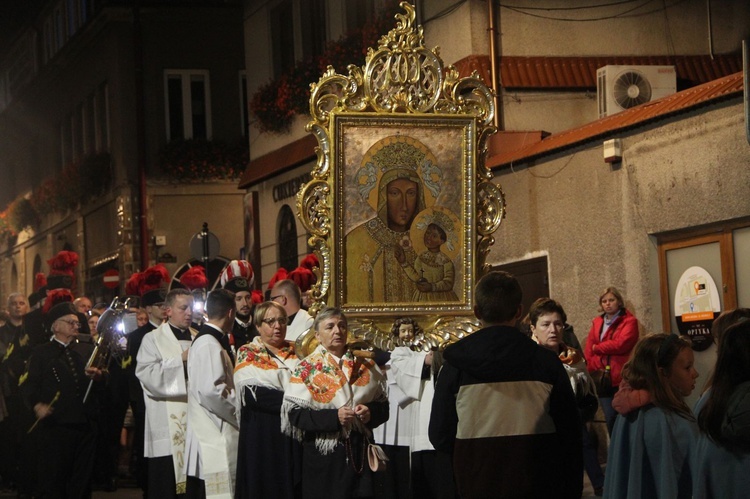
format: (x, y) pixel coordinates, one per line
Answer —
(504, 407)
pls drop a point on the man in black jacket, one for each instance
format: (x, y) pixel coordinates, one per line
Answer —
(54, 387)
(504, 407)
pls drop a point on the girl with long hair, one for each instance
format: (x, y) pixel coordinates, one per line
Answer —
(650, 446)
(724, 421)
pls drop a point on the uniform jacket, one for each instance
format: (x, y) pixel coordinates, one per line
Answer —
(616, 345)
(57, 373)
(505, 407)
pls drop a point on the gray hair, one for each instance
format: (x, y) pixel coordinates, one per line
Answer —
(327, 314)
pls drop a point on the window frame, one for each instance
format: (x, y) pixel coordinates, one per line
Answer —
(187, 106)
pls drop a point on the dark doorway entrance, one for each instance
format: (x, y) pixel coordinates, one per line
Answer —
(532, 276)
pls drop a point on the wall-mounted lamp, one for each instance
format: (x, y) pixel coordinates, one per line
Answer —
(613, 150)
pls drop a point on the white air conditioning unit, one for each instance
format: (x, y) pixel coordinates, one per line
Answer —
(622, 87)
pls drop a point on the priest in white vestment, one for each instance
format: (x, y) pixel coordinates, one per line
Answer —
(161, 369)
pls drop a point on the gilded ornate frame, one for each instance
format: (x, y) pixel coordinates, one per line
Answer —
(403, 93)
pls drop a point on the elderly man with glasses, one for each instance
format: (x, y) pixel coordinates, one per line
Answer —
(55, 385)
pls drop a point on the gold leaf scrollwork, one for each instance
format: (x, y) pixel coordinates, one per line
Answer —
(401, 76)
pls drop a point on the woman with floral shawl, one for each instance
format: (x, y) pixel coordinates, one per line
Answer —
(333, 401)
(268, 462)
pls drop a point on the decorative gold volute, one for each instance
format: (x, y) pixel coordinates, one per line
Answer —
(401, 82)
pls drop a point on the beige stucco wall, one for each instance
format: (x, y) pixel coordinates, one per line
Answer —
(178, 212)
(269, 218)
(682, 28)
(597, 223)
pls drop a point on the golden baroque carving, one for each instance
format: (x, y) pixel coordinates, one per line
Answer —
(401, 77)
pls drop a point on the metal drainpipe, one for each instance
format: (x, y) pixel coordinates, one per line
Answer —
(745, 84)
(140, 126)
(493, 66)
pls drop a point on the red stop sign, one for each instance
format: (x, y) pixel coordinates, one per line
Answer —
(111, 278)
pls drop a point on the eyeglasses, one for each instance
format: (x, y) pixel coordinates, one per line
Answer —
(72, 323)
(273, 320)
(273, 298)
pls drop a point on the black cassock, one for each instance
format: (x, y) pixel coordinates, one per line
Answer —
(268, 462)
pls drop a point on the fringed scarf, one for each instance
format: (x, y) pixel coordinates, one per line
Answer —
(257, 366)
(319, 382)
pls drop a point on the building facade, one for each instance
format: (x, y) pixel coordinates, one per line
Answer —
(575, 224)
(119, 122)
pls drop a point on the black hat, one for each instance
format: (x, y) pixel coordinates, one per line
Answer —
(153, 297)
(60, 310)
(59, 281)
(37, 296)
(238, 284)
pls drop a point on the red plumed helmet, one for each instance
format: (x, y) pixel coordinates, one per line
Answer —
(154, 277)
(256, 296)
(309, 262)
(194, 278)
(40, 280)
(63, 263)
(56, 296)
(133, 286)
(237, 268)
(280, 275)
(61, 274)
(304, 278)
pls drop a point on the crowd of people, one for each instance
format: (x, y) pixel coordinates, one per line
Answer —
(222, 402)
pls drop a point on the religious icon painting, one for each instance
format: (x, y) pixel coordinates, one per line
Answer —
(405, 211)
(400, 207)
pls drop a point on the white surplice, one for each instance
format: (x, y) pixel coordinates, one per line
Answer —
(406, 372)
(213, 431)
(162, 375)
(299, 326)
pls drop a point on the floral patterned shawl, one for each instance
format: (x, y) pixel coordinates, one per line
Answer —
(257, 366)
(319, 382)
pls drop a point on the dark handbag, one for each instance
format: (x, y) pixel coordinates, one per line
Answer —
(603, 381)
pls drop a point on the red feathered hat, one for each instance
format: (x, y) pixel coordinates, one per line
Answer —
(40, 281)
(133, 286)
(280, 275)
(256, 296)
(56, 296)
(309, 262)
(62, 270)
(154, 277)
(237, 269)
(153, 285)
(194, 278)
(304, 278)
(237, 276)
(40, 289)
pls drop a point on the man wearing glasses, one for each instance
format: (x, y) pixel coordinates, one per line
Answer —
(287, 294)
(54, 386)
